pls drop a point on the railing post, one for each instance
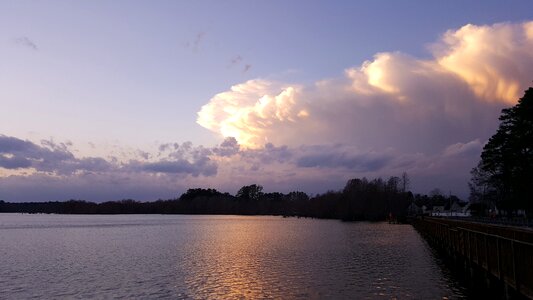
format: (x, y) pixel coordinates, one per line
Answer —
(464, 243)
(469, 247)
(487, 254)
(515, 275)
(477, 250)
(498, 257)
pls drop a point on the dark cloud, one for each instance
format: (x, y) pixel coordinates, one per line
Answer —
(235, 61)
(184, 159)
(269, 154)
(55, 158)
(93, 164)
(17, 153)
(198, 41)
(12, 144)
(168, 146)
(26, 42)
(14, 162)
(337, 157)
(228, 147)
(238, 60)
(52, 168)
(143, 154)
(203, 167)
(54, 173)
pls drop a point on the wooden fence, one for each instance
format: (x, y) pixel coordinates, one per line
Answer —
(504, 252)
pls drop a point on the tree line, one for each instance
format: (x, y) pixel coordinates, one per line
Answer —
(360, 199)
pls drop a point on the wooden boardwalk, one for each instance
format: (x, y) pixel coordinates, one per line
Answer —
(506, 253)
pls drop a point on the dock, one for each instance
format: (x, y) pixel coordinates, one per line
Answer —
(502, 254)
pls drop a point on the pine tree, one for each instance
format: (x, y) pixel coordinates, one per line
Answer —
(506, 167)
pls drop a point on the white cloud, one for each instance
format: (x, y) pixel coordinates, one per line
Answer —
(472, 147)
(394, 100)
(250, 109)
(496, 61)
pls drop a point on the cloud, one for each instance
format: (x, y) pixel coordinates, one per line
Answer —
(471, 148)
(250, 109)
(198, 40)
(496, 61)
(168, 146)
(13, 162)
(11, 144)
(184, 159)
(56, 159)
(228, 147)
(394, 100)
(26, 42)
(227, 166)
(202, 167)
(50, 157)
(340, 156)
(196, 43)
(235, 61)
(92, 187)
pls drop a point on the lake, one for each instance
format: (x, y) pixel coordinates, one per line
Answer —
(213, 257)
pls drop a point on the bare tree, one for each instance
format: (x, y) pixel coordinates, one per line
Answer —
(405, 182)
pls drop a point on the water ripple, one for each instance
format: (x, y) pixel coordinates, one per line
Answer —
(214, 257)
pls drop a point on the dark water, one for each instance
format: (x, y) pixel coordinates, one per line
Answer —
(213, 257)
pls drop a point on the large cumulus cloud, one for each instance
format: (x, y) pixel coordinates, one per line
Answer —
(394, 100)
(496, 61)
(251, 108)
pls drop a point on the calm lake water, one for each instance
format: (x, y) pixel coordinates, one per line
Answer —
(213, 257)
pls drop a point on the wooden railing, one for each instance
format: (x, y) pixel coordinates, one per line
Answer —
(508, 259)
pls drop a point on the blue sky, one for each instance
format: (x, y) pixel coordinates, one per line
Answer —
(116, 80)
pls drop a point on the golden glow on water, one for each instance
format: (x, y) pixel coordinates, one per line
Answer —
(231, 265)
(214, 257)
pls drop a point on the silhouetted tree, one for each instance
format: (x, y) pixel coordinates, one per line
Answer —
(199, 192)
(507, 159)
(405, 182)
(481, 191)
(251, 192)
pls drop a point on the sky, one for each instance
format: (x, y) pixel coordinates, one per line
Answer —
(108, 100)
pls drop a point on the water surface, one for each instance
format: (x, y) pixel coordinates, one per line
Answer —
(213, 257)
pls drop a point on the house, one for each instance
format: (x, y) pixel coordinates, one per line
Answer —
(456, 208)
(466, 210)
(414, 210)
(438, 211)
